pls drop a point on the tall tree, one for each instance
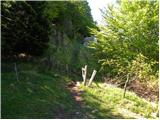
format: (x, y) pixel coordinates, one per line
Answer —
(130, 30)
(24, 28)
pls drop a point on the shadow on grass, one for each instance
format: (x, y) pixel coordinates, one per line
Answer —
(97, 108)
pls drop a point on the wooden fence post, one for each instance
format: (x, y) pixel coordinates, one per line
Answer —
(15, 68)
(84, 74)
(125, 86)
(92, 77)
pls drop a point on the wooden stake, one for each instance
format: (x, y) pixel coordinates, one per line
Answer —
(15, 67)
(92, 77)
(84, 73)
(125, 86)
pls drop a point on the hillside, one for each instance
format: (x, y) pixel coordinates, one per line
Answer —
(45, 95)
(57, 61)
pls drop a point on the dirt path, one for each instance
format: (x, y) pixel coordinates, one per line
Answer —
(75, 91)
(80, 111)
(73, 87)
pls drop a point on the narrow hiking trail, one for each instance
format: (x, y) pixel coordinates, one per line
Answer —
(53, 96)
(73, 87)
(83, 112)
(76, 93)
(57, 97)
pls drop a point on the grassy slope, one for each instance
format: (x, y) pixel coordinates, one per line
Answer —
(37, 95)
(106, 101)
(43, 95)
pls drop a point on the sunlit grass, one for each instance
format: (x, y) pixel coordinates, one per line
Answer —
(42, 94)
(103, 98)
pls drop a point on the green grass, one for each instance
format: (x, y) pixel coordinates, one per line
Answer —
(36, 95)
(108, 102)
(42, 94)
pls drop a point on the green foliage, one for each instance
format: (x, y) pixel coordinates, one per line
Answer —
(70, 16)
(70, 21)
(51, 29)
(128, 39)
(141, 70)
(24, 28)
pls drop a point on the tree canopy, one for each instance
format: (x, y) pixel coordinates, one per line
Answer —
(128, 40)
(24, 28)
(27, 26)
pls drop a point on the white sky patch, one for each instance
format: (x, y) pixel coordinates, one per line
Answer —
(96, 5)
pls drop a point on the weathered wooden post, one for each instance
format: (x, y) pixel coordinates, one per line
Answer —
(92, 77)
(84, 74)
(15, 68)
(125, 86)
